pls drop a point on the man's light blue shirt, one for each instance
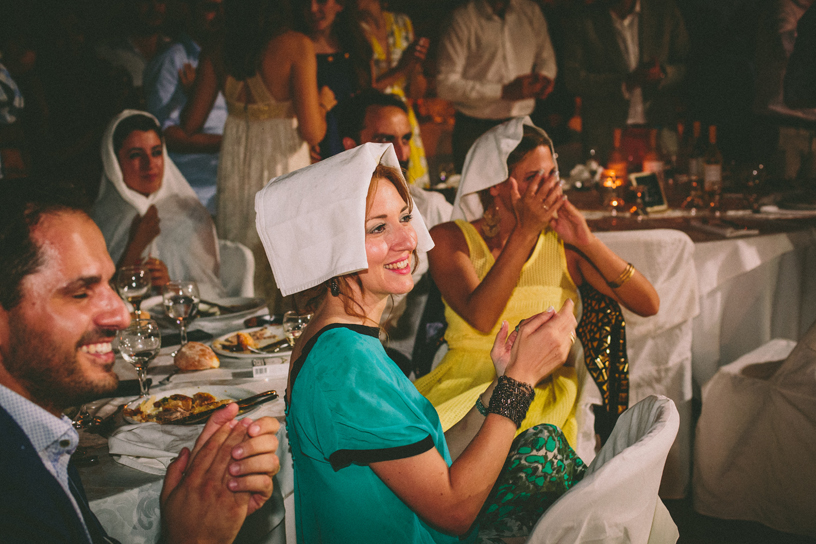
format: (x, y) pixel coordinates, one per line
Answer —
(166, 98)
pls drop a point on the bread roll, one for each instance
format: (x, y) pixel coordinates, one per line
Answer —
(196, 356)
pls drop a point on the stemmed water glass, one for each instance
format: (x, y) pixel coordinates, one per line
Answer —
(293, 325)
(181, 304)
(133, 283)
(139, 344)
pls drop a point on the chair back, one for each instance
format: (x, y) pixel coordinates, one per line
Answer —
(617, 500)
(237, 269)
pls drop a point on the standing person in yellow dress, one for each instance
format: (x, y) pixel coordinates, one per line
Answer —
(517, 246)
(397, 64)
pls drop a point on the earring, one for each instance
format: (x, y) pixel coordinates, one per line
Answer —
(490, 221)
(334, 287)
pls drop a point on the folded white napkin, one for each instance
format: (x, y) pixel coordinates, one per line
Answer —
(150, 447)
(486, 165)
(312, 221)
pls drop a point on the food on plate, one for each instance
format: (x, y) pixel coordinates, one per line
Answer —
(196, 356)
(172, 408)
(245, 341)
(242, 341)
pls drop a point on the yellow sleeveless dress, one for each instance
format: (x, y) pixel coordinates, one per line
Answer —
(467, 370)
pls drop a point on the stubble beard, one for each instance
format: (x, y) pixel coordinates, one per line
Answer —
(52, 377)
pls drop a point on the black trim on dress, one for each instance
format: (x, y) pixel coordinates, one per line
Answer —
(343, 458)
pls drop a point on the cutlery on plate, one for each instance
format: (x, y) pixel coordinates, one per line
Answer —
(243, 406)
(166, 379)
(230, 309)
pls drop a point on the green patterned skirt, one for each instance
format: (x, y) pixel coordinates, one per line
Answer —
(540, 468)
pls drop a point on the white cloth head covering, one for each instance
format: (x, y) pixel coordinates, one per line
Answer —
(312, 221)
(173, 181)
(187, 244)
(486, 165)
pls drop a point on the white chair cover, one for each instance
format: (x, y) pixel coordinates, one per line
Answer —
(755, 448)
(617, 500)
(659, 347)
(237, 269)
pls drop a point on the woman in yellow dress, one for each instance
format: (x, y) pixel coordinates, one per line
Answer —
(517, 246)
(397, 65)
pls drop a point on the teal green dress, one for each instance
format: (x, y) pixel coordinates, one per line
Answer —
(350, 406)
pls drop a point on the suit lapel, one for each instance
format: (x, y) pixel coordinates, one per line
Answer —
(605, 30)
(38, 497)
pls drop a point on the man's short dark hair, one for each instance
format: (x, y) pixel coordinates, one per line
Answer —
(351, 113)
(24, 203)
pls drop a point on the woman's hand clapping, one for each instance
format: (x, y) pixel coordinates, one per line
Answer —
(500, 353)
(542, 345)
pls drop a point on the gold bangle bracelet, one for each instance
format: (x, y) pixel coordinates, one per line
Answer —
(625, 276)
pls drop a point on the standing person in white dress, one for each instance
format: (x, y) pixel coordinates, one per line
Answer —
(268, 74)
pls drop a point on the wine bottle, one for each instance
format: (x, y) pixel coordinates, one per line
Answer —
(652, 160)
(617, 160)
(712, 164)
(695, 163)
(684, 143)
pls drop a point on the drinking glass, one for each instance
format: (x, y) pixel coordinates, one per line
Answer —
(180, 300)
(133, 283)
(293, 325)
(139, 344)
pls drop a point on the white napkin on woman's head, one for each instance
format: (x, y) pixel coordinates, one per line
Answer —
(486, 165)
(312, 221)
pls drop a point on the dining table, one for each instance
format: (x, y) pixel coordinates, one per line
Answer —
(122, 463)
(729, 281)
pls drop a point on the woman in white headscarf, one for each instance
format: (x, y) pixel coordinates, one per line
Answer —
(371, 462)
(147, 211)
(504, 258)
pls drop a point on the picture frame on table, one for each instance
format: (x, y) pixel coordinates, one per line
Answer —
(654, 198)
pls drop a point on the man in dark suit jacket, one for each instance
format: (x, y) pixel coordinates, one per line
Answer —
(58, 316)
(607, 72)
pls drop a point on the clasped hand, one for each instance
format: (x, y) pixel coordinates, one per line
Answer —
(537, 348)
(208, 492)
(533, 85)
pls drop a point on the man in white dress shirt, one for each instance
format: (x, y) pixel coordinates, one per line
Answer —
(495, 59)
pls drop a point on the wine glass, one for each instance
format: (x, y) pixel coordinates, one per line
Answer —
(139, 344)
(293, 325)
(181, 300)
(133, 283)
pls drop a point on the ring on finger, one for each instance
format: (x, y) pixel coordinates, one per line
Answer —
(572, 338)
(545, 206)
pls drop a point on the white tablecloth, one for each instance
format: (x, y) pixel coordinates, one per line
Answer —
(126, 500)
(751, 290)
(719, 300)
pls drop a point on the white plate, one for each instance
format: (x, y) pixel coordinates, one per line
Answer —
(156, 309)
(275, 333)
(218, 391)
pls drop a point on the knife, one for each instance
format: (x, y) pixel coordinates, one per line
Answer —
(244, 405)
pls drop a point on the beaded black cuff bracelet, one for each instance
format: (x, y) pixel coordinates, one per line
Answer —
(511, 399)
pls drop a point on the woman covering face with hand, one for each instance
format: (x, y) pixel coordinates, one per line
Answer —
(148, 212)
(372, 463)
(517, 246)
